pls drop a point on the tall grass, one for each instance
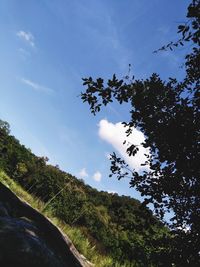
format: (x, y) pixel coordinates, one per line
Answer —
(78, 238)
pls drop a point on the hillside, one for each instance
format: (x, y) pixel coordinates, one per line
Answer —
(118, 229)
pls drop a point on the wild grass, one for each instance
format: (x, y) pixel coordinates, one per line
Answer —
(78, 238)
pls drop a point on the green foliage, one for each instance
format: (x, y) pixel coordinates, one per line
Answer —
(76, 235)
(120, 228)
(4, 125)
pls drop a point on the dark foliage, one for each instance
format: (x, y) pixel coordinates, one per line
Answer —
(167, 112)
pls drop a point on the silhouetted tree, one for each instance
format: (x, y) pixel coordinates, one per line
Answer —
(167, 112)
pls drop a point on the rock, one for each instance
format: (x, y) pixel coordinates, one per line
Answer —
(3, 210)
(28, 239)
(21, 244)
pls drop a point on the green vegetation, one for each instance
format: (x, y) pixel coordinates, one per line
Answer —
(75, 234)
(107, 229)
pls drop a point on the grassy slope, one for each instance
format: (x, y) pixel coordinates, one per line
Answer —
(75, 234)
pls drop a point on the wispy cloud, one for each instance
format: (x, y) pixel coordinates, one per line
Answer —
(27, 37)
(115, 135)
(37, 87)
(97, 176)
(105, 33)
(83, 173)
(114, 111)
(24, 53)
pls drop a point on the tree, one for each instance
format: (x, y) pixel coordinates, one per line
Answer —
(167, 112)
(4, 126)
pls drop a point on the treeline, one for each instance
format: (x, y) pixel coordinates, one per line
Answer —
(118, 226)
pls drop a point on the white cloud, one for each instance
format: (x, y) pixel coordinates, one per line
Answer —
(97, 176)
(112, 192)
(83, 173)
(115, 135)
(37, 87)
(27, 37)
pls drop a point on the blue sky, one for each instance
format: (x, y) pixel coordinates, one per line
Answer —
(47, 46)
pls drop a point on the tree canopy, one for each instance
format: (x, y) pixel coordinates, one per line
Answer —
(167, 112)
